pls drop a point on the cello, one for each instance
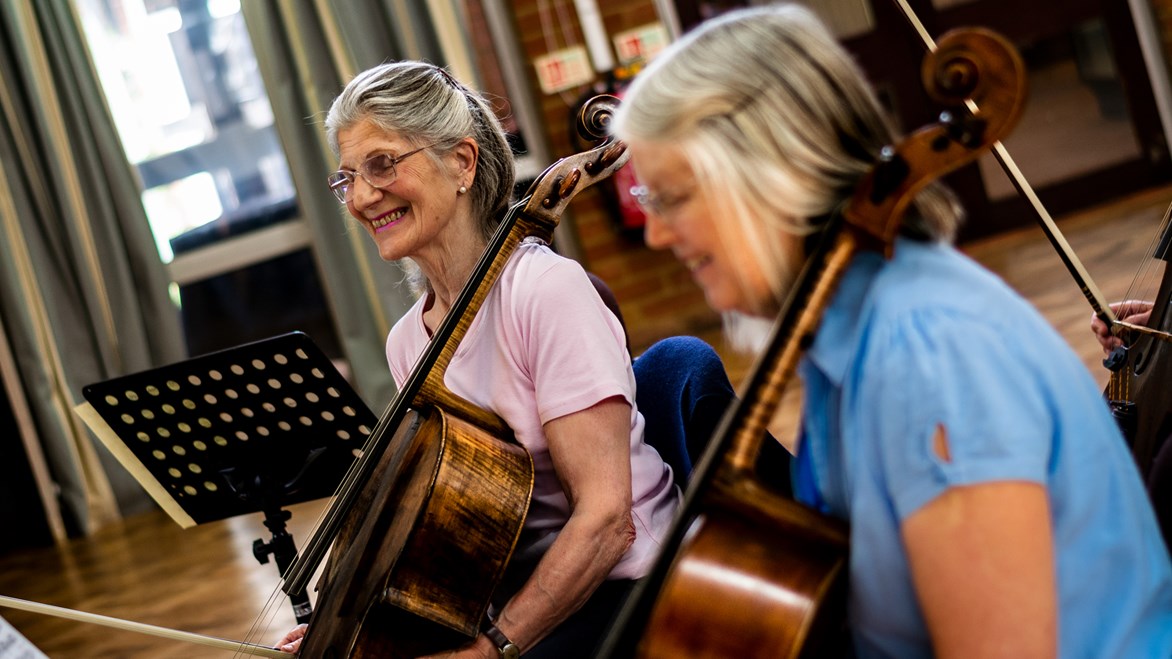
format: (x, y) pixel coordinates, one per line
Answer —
(1139, 393)
(425, 524)
(736, 546)
(1137, 389)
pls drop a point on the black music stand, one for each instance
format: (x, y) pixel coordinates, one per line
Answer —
(247, 429)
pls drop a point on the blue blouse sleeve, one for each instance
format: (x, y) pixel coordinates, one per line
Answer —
(939, 368)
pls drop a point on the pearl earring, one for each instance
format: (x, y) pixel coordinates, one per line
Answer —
(462, 190)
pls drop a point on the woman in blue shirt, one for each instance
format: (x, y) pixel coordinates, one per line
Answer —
(994, 508)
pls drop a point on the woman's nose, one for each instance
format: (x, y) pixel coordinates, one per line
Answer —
(657, 233)
(363, 194)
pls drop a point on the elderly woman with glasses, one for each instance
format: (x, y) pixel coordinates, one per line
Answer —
(994, 509)
(426, 171)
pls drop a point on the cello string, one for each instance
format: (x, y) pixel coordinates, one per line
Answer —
(1141, 283)
(262, 624)
(1143, 286)
(259, 632)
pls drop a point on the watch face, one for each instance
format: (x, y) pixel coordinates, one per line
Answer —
(510, 651)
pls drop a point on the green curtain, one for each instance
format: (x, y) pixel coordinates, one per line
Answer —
(83, 294)
(307, 51)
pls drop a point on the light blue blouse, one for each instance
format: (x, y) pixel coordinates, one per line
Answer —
(931, 338)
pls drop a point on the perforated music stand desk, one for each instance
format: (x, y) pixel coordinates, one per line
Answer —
(243, 430)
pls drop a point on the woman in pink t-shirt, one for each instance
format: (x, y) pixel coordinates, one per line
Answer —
(425, 169)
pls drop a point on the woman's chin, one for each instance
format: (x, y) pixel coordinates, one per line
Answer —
(718, 301)
(746, 334)
(388, 249)
(729, 304)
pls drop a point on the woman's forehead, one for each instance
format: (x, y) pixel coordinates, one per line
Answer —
(363, 139)
(660, 163)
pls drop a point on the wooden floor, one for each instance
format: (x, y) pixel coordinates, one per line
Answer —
(206, 580)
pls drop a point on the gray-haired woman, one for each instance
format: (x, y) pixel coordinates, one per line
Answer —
(982, 475)
(425, 170)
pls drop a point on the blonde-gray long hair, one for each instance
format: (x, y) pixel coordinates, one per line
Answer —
(778, 124)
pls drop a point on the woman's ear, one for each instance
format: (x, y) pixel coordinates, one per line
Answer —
(466, 154)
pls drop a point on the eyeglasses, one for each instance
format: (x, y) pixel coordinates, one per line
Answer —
(661, 205)
(378, 171)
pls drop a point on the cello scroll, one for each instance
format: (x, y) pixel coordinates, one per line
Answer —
(977, 73)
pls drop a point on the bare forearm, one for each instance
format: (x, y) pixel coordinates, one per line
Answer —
(578, 561)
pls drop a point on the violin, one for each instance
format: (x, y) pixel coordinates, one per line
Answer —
(737, 546)
(426, 521)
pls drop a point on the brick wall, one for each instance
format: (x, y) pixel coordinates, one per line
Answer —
(656, 295)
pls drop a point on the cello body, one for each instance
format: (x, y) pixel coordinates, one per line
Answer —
(442, 533)
(788, 565)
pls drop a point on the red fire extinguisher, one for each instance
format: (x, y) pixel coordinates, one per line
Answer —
(631, 215)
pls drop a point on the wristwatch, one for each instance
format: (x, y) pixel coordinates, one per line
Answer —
(506, 648)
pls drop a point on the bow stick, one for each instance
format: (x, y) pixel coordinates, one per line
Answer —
(117, 623)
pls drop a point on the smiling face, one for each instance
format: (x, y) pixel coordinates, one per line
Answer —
(420, 215)
(681, 218)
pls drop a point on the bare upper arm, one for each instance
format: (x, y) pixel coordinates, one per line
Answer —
(591, 453)
(982, 563)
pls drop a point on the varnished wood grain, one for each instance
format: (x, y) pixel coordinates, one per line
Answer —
(206, 580)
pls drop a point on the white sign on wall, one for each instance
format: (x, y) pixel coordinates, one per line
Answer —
(642, 43)
(564, 69)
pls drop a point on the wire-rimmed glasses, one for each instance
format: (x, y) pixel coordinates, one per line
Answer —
(378, 171)
(661, 205)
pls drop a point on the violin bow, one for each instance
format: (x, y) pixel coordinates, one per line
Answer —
(141, 628)
(1089, 290)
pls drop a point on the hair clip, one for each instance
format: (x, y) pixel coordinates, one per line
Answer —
(447, 76)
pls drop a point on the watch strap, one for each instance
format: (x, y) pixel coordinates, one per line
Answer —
(507, 649)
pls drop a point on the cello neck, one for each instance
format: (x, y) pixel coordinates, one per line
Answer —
(775, 367)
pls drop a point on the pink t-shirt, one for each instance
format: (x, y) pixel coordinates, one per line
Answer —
(542, 346)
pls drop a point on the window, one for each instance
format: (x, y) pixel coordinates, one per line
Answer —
(186, 94)
(183, 86)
